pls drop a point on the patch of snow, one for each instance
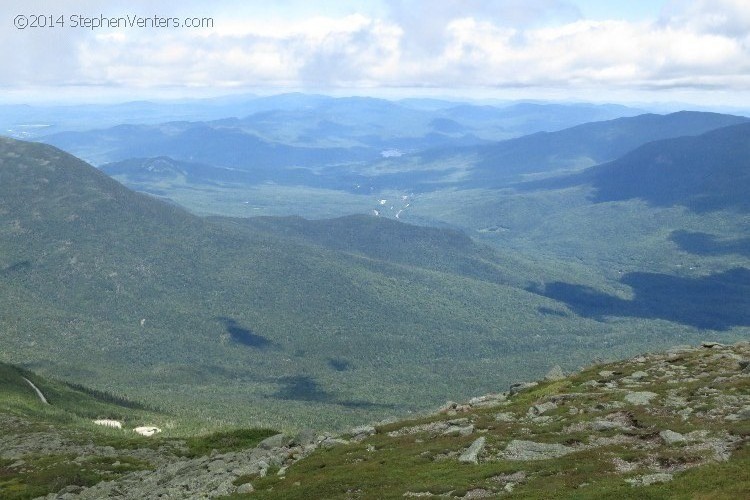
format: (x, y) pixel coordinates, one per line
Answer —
(106, 422)
(147, 430)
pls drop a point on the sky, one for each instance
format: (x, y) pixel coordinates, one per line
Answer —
(694, 51)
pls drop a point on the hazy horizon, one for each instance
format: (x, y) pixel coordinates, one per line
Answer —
(635, 52)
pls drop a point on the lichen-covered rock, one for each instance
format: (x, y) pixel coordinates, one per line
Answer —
(470, 455)
(521, 387)
(671, 437)
(529, 450)
(540, 409)
(640, 398)
(649, 479)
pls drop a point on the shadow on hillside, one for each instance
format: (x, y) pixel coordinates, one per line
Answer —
(245, 336)
(718, 302)
(17, 267)
(305, 388)
(340, 364)
(708, 244)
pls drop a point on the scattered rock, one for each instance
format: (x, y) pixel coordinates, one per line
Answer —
(275, 441)
(647, 480)
(330, 442)
(640, 398)
(470, 455)
(303, 438)
(461, 431)
(542, 408)
(516, 477)
(479, 493)
(608, 425)
(638, 375)
(245, 488)
(505, 417)
(362, 432)
(459, 426)
(671, 437)
(529, 450)
(622, 466)
(522, 386)
(489, 400)
(743, 414)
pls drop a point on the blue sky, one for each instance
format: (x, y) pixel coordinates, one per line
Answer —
(634, 10)
(631, 50)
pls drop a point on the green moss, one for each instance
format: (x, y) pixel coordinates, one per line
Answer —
(226, 441)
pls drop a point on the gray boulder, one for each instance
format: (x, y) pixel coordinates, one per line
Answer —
(671, 437)
(529, 450)
(640, 398)
(276, 441)
(472, 452)
(522, 386)
(245, 488)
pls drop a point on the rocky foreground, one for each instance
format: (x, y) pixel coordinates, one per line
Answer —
(658, 425)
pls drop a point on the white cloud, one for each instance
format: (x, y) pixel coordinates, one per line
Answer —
(442, 44)
(726, 17)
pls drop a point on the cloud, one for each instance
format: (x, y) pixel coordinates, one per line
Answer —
(406, 43)
(425, 23)
(729, 18)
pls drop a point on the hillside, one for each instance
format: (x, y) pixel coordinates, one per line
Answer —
(201, 142)
(660, 425)
(57, 445)
(657, 207)
(704, 173)
(574, 148)
(672, 424)
(438, 249)
(124, 293)
(332, 322)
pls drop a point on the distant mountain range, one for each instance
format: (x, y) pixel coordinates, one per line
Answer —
(209, 153)
(573, 148)
(267, 131)
(706, 172)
